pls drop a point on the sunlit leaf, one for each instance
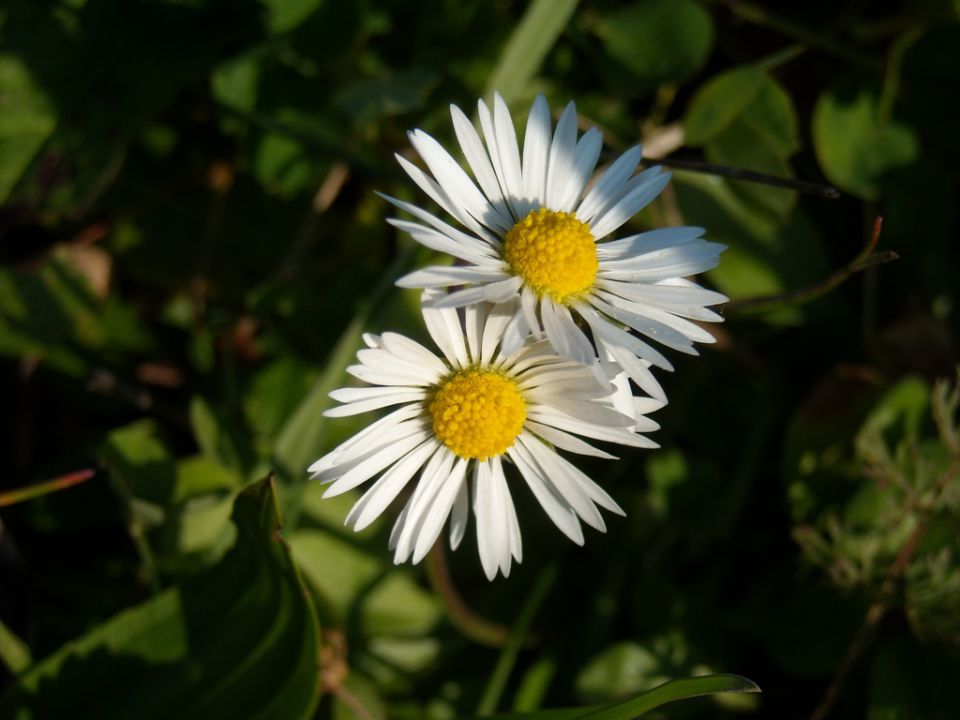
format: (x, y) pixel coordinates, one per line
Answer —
(857, 147)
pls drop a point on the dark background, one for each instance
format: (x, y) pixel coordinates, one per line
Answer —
(190, 245)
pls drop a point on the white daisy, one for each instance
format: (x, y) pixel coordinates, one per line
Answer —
(461, 417)
(534, 226)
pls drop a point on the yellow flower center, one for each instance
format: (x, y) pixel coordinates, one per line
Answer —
(553, 252)
(477, 413)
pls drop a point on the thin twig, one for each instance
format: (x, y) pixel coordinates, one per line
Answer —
(865, 258)
(44, 488)
(734, 173)
(881, 605)
(474, 626)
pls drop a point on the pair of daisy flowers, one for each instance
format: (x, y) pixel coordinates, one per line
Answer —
(541, 326)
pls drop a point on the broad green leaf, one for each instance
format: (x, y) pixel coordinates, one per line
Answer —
(14, 653)
(624, 669)
(528, 45)
(285, 15)
(26, 121)
(659, 41)
(855, 146)
(745, 119)
(667, 693)
(219, 436)
(721, 101)
(352, 580)
(240, 640)
(671, 692)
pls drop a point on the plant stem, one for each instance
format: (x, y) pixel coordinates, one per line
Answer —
(463, 617)
(865, 259)
(518, 635)
(34, 491)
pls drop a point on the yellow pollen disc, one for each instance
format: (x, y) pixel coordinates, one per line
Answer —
(553, 252)
(477, 413)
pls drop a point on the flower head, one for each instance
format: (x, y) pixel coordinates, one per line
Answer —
(538, 228)
(460, 417)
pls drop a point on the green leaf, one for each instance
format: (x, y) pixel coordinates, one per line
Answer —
(621, 670)
(658, 40)
(529, 44)
(671, 692)
(14, 653)
(285, 15)
(721, 101)
(641, 704)
(237, 641)
(26, 121)
(219, 437)
(744, 118)
(855, 146)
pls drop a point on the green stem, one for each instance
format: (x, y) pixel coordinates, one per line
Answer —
(461, 615)
(508, 656)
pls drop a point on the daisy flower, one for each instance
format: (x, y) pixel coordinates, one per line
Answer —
(460, 417)
(536, 226)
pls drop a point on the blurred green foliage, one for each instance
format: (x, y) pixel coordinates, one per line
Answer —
(191, 247)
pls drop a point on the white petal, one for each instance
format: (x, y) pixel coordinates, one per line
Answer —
(605, 330)
(557, 510)
(443, 324)
(476, 252)
(357, 444)
(491, 526)
(609, 184)
(663, 295)
(515, 334)
(500, 318)
(567, 339)
(404, 347)
(436, 515)
(638, 370)
(634, 201)
(459, 516)
(653, 329)
(562, 152)
(365, 470)
(621, 436)
(536, 149)
(440, 276)
(375, 403)
(383, 492)
(437, 194)
(437, 469)
(387, 362)
(556, 473)
(455, 182)
(528, 300)
(510, 544)
(495, 292)
(479, 160)
(509, 154)
(484, 245)
(566, 441)
(648, 242)
(584, 163)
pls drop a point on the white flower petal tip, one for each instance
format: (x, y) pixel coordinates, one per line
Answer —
(448, 455)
